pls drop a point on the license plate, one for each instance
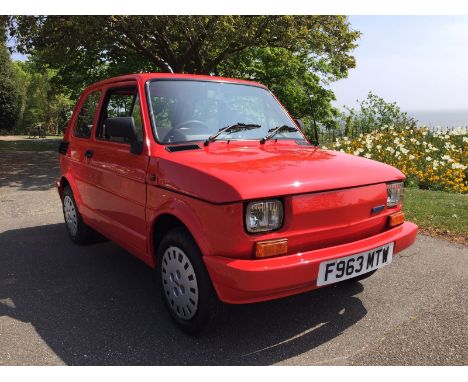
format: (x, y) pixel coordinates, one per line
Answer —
(344, 268)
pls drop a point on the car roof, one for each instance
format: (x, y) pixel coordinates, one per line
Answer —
(194, 77)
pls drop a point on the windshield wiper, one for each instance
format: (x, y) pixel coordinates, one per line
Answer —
(277, 130)
(232, 129)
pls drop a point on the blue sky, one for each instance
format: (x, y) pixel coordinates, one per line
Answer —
(421, 62)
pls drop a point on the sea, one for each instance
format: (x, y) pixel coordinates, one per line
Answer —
(440, 118)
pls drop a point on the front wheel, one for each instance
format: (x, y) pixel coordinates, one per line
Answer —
(185, 284)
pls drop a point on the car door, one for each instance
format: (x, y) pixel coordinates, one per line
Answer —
(118, 176)
(83, 125)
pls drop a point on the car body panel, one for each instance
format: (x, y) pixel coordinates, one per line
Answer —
(246, 281)
(228, 172)
(329, 199)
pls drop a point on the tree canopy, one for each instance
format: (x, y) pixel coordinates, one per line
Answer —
(10, 92)
(293, 55)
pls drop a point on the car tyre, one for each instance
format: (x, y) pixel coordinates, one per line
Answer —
(185, 284)
(78, 231)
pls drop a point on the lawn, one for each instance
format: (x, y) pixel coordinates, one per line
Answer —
(25, 144)
(438, 213)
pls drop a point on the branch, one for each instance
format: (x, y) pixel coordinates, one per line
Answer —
(139, 47)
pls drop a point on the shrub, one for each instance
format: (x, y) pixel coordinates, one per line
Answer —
(430, 160)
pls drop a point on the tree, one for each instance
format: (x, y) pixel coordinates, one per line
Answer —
(374, 112)
(44, 104)
(294, 55)
(10, 91)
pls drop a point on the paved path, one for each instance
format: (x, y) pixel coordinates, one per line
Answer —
(64, 304)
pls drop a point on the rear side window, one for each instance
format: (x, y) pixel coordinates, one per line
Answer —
(84, 121)
(120, 102)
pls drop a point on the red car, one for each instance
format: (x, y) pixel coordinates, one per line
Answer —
(212, 183)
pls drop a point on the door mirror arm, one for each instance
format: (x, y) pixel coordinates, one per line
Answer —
(124, 127)
(136, 147)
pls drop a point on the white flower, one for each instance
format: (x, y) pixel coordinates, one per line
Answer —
(378, 147)
(428, 158)
(459, 131)
(411, 157)
(390, 150)
(457, 166)
(358, 151)
(368, 155)
(404, 151)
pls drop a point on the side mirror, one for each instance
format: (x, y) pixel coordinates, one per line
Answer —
(299, 123)
(124, 127)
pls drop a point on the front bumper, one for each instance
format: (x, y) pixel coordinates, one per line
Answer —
(245, 281)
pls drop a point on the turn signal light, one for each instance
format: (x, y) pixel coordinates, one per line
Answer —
(396, 219)
(271, 248)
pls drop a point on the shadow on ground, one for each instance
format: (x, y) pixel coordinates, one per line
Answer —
(98, 305)
(29, 170)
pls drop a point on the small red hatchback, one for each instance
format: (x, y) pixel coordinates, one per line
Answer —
(212, 183)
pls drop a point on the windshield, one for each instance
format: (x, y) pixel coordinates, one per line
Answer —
(184, 110)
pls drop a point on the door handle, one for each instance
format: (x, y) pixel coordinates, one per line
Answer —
(88, 153)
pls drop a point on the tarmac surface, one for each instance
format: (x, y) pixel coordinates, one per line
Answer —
(97, 305)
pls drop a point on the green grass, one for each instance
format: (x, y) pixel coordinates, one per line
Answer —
(438, 213)
(48, 144)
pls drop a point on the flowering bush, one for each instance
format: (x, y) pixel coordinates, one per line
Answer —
(433, 160)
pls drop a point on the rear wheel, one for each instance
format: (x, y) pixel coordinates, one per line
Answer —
(78, 231)
(185, 284)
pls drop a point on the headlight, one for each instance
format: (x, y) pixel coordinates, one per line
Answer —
(266, 215)
(394, 193)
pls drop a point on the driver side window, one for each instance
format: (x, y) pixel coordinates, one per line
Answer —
(121, 102)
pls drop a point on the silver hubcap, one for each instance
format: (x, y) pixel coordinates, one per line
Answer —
(70, 215)
(179, 283)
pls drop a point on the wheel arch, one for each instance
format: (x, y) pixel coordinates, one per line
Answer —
(168, 220)
(64, 181)
(61, 184)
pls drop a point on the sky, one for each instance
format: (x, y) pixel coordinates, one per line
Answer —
(420, 62)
